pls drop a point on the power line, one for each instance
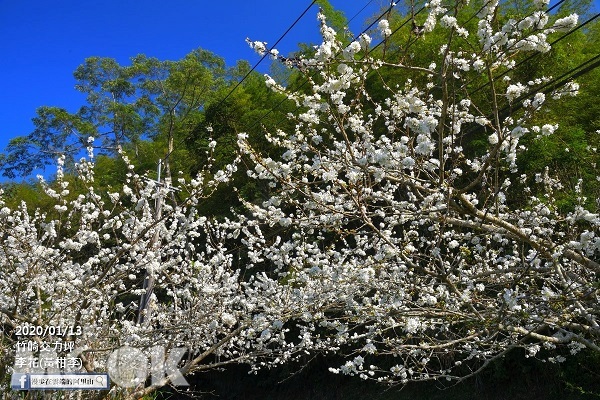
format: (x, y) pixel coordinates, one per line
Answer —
(531, 57)
(396, 30)
(361, 10)
(267, 52)
(249, 72)
(411, 18)
(308, 79)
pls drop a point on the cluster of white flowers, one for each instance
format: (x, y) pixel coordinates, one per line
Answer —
(384, 28)
(566, 24)
(569, 89)
(536, 42)
(394, 240)
(373, 182)
(435, 9)
(537, 21)
(515, 91)
(259, 47)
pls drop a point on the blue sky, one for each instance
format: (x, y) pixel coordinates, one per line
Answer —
(44, 41)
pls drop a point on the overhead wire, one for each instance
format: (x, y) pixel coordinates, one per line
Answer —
(359, 12)
(509, 47)
(581, 69)
(267, 53)
(307, 80)
(531, 57)
(547, 88)
(273, 109)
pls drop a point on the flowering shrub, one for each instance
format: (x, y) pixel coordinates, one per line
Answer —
(382, 236)
(407, 243)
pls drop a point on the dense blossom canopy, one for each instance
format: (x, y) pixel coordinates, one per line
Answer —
(383, 238)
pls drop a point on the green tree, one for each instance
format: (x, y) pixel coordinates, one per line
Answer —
(125, 105)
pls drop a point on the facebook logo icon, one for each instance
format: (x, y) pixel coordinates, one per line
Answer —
(19, 382)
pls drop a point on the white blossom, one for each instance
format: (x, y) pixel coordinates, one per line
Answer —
(566, 24)
(388, 225)
(384, 28)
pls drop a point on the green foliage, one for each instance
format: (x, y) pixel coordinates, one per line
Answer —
(30, 193)
(335, 18)
(152, 108)
(571, 153)
(149, 99)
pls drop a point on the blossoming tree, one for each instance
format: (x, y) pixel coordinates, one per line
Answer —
(431, 251)
(385, 237)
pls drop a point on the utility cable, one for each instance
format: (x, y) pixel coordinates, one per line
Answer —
(308, 79)
(509, 47)
(531, 57)
(547, 88)
(361, 10)
(249, 72)
(267, 52)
